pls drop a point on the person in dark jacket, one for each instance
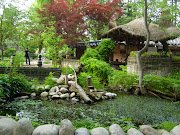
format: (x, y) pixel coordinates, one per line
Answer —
(27, 56)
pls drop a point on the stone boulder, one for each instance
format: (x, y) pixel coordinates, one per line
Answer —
(148, 130)
(60, 80)
(63, 90)
(23, 127)
(55, 97)
(115, 129)
(176, 130)
(82, 131)
(47, 87)
(66, 127)
(164, 132)
(49, 129)
(133, 131)
(71, 77)
(99, 131)
(74, 100)
(110, 95)
(72, 94)
(7, 126)
(63, 96)
(54, 80)
(44, 94)
(33, 95)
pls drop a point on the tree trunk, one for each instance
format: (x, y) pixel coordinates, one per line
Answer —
(81, 92)
(138, 55)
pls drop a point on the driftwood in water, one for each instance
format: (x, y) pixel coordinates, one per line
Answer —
(81, 92)
(165, 95)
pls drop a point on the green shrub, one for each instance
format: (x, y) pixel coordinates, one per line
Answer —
(4, 63)
(105, 49)
(176, 57)
(168, 125)
(175, 75)
(127, 80)
(90, 53)
(86, 123)
(18, 59)
(162, 83)
(68, 70)
(82, 80)
(99, 68)
(48, 80)
(9, 52)
(11, 86)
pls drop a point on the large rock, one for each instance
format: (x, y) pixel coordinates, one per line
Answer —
(74, 100)
(39, 88)
(49, 129)
(148, 130)
(44, 94)
(54, 80)
(53, 89)
(71, 77)
(66, 127)
(110, 95)
(60, 80)
(82, 131)
(47, 87)
(115, 129)
(63, 90)
(7, 126)
(23, 127)
(99, 131)
(133, 131)
(55, 97)
(72, 94)
(176, 130)
(63, 96)
(164, 132)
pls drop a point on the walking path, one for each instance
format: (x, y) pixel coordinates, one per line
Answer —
(34, 63)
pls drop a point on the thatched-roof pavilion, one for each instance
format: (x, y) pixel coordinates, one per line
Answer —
(134, 32)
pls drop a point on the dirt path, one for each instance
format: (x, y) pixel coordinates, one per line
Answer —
(34, 63)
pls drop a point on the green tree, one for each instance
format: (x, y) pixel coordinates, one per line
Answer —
(9, 19)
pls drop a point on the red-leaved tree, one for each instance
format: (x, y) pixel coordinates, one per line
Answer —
(71, 19)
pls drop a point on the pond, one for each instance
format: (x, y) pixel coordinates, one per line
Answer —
(126, 108)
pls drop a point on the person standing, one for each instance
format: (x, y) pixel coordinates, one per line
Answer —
(27, 56)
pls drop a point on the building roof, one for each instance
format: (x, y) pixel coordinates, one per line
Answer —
(135, 30)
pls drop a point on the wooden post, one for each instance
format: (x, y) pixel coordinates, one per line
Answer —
(89, 82)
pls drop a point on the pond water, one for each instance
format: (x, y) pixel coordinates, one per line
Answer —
(124, 108)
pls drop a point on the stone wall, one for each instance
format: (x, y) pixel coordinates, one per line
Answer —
(34, 72)
(157, 65)
(23, 126)
(72, 62)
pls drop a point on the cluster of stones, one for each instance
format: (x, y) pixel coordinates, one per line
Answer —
(9, 126)
(68, 92)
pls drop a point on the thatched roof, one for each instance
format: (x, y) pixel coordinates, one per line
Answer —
(135, 30)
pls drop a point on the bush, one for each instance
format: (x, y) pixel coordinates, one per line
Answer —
(9, 52)
(63, 70)
(18, 59)
(175, 75)
(11, 86)
(122, 78)
(105, 49)
(99, 68)
(82, 81)
(48, 80)
(90, 53)
(162, 83)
